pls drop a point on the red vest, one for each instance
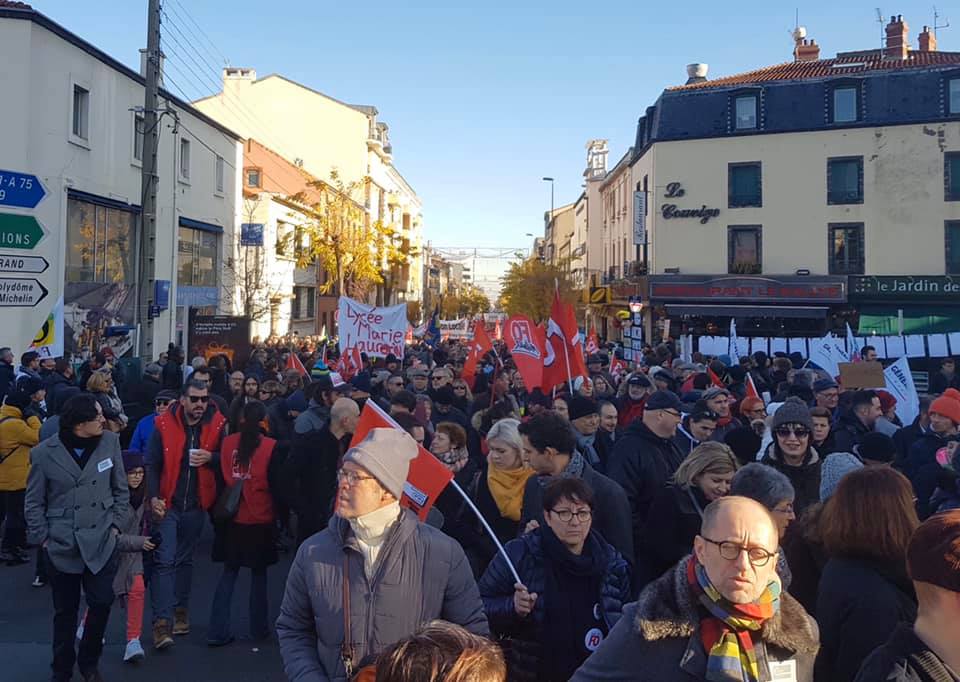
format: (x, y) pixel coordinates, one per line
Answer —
(256, 502)
(173, 435)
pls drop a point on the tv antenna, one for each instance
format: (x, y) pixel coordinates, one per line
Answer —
(936, 18)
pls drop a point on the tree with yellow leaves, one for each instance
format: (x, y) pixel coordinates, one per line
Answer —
(468, 302)
(528, 288)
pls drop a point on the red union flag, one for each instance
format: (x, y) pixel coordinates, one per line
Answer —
(350, 363)
(525, 343)
(593, 342)
(564, 347)
(480, 345)
(293, 362)
(427, 477)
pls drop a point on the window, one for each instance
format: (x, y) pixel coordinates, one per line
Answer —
(845, 100)
(100, 244)
(951, 176)
(744, 185)
(953, 96)
(304, 303)
(952, 246)
(253, 177)
(184, 159)
(845, 180)
(81, 113)
(219, 175)
(845, 248)
(745, 112)
(197, 257)
(744, 250)
(138, 137)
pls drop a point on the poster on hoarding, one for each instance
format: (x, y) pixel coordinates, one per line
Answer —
(226, 335)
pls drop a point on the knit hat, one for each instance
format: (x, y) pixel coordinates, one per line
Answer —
(663, 400)
(877, 447)
(835, 467)
(933, 555)
(578, 406)
(361, 382)
(386, 454)
(29, 385)
(762, 483)
(887, 401)
(744, 442)
(714, 391)
(319, 370)
(296, 402)
(132, 460)
(793, 411)
(948, 405)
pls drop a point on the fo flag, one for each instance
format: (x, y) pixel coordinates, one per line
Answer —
(480, 345)
(593, 342)
(564, 347)
(427, 477)
(525, 344)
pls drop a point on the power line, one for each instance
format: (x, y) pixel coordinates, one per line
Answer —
(199, 28)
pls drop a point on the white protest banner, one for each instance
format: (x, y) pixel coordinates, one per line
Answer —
(734, 348)
(900, 385)
(370, 329)
(455, 329)
(822, 355)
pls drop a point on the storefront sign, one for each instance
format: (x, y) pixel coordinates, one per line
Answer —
(748, 289)
(670, 211)
(893, 287)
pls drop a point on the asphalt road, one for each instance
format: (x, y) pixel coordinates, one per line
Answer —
(26, 627)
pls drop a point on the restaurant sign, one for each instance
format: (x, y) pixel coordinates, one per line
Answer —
(914, 287)
(669, 210)
(787, 289)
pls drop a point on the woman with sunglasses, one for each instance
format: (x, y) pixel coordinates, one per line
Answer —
(792, 452)
(462, 396)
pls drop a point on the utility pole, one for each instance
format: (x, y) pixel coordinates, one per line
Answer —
(148, 185)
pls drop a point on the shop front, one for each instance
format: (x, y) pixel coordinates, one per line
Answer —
(905, 304)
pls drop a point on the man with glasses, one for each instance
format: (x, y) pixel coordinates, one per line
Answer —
(375, 574)
(204, 375)
(419, 380)
(145, 427)
(827, 394)
(645, 457)
(719, 614)
(393, 385)
(181, 459)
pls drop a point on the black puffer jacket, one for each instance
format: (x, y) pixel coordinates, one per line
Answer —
(804, 478)
(528, 556)
(667, 536)
(859, 604)
(848, 432)
(642, 463)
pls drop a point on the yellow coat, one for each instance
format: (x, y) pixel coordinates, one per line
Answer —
(16, 438)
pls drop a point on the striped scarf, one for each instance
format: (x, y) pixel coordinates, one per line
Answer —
(726, 632)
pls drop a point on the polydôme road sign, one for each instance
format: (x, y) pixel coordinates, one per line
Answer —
(21, 293)
(21, 190)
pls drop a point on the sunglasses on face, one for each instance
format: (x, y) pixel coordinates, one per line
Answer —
(161, 403)
(198, 398)
(786, 432)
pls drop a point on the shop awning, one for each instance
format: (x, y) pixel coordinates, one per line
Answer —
(708, 310)
(917, 319)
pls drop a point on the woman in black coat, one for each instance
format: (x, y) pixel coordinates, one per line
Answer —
(864, 590)
(573, 588)
(676, 512)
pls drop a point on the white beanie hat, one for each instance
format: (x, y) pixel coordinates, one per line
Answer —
(386, 453)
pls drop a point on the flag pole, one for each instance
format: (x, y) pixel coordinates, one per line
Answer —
(566, 355)
(493, 536)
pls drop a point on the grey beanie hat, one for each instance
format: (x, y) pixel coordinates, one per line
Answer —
(835, 467)
(386, 454)
(793, 411)
(762, 483)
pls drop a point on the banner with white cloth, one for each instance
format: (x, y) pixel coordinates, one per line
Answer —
(455, 329)
(376, 331)
(900, 385)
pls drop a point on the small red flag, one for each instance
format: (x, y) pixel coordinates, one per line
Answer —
(479, 346)
(564, 347)
(293, 362)
(593, 341)
(752, 388)
(617, 366)
(715, 379)
(350, 363)
(524, 342)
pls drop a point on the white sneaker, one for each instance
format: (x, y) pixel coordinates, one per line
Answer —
(134, 651)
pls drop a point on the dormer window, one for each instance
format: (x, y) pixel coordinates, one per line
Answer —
(745, 112)
(845, 102)
(953, 96)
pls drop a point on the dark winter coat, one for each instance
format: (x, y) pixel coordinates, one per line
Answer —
(805, 478)
(904, 658)
(922, 469)
(904, 440)
(658, 638)
(642, 463)
(848, 432)
(7, 376)
(308, 478)
(667, 536)
(806, 556)
(528, 557)
(939, 383)
(685, 441)
(54, 383)
(141, 396)
(474, 539)
(610, 509)
(420, 575)
(858, 605)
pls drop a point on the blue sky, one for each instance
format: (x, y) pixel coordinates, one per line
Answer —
(485, 99)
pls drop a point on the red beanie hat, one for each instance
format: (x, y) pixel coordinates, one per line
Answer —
(948, 405)
(887, 401)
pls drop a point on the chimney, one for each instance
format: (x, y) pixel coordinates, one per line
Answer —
(928, 41)
(897, 45)
(697, 73)
(806, 51)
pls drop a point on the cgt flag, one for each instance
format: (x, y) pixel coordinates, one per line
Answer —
(427, 477)
(593, 342)
(525, 344)
(564, 347)
(350, 363)
(480, 345)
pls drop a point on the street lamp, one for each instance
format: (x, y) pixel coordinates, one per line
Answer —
(550, 180)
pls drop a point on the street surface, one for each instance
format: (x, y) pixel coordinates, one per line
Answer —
(26, 627)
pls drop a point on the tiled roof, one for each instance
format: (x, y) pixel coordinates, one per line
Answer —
(843, 64)
(14, 5)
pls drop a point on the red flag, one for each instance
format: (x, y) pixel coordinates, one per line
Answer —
(479, 346)
(525, 343)
(408, 338)
(498, 331)
(617, 366)
(427, 477)
(752, 388)
(593, 342)
(564, 348)
(715, 379)
(350, 363)
(293, 362)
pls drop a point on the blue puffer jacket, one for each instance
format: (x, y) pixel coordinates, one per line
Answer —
(497, 588)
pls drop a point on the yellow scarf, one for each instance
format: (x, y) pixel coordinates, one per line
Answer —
(506, 488)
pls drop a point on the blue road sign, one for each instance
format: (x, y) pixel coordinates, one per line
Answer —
(21, 190)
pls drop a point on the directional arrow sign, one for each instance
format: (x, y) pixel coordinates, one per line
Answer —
(20, 293)
(14, 262)
(19, 231)
(20, 189)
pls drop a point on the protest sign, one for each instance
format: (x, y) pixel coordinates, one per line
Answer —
(376, 331)
(454, 329)
(854, 375)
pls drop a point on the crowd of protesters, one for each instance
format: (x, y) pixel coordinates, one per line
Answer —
(654, 523)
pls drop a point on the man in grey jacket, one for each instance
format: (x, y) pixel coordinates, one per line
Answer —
(76, 502)
(375, 572)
